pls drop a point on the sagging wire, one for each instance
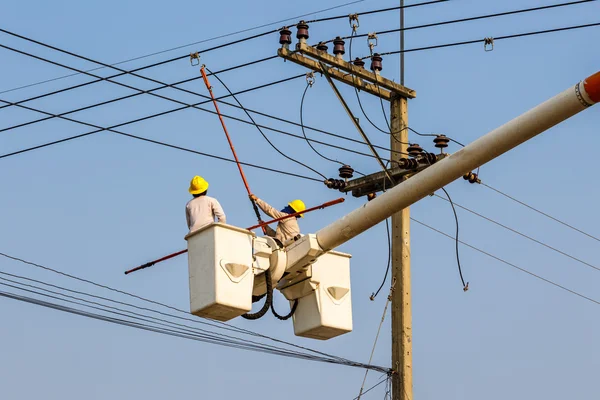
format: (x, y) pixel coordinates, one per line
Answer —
(260, 130)
(309, 83)
(465, 285)
(389, 261)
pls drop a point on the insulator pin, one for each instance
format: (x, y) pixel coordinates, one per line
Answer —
(408, 163)
(441, 141)
(338, 184)
(359, 63)
(471, 177)
(338, 47)
(285, 37)
(414, 150)
(322, 47)
(346, 172)
(376, 63)
(371, 196)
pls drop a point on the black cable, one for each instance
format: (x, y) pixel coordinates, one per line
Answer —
(465, 285)
(221, 325)
(268, 302)
(260, 130)
(468, 19)
(542, 213)
(387, 269)
(523, 235)
(288, 315)
(381, 10)
(163, 85)
(518, 35)
(212, 336)
(219, 99)
(111, 129)
(170, 332)
(308, 85)
(508, 263)
(183, 46)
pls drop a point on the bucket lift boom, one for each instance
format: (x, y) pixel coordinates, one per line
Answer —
(224, 260)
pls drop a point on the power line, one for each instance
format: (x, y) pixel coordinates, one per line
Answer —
(100, 129)
(523, 235)
(215, 338)
(465, 285)
(508, 263)
(542, 213)
(309, 85)
(261, 132)
(381, 10)
(468, 19)
(214, 323)
(518, 35)
(171, 332)
(205, 50)
(183, 46)
(111, 129)
(165, 98)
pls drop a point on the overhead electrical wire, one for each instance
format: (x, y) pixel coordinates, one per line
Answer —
(381, 10)
(262, 133)
(456, 241)
(387, 269)
(541, 212)
(204, 51)
(149, 92)
(508, 263)
(140, 92)
(309, 85)
(513, 36)
(214, 323)
(387, 303)
(467, 19)
(146, 78)
(171, 332)
(112, 128)
(279, 171)
(183, 46)
(523, 235)
(386, 379)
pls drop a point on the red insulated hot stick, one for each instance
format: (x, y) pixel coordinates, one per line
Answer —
(324, 205)
(151, 263)
(262, 224)
(237, 161)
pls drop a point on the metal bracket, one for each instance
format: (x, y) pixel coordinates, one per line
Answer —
(354, 17)
(195, 56)
(310, 78)
(370, 38)
(488, 44)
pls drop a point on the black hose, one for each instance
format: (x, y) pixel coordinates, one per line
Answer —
(285, 317)
(268, 301)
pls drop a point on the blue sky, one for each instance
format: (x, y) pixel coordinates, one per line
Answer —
(96, 206)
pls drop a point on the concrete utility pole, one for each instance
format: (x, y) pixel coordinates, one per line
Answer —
(402, 385)
(333, 67)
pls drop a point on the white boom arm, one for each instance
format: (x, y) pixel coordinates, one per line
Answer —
(481, 151)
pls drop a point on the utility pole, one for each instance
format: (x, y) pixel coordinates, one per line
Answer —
(355, 74)
(402, 385)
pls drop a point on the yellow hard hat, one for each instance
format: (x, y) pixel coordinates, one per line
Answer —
(298, 206)
(198, 185)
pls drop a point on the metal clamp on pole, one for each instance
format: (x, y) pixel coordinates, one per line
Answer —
(195, 56)
(488, 44)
